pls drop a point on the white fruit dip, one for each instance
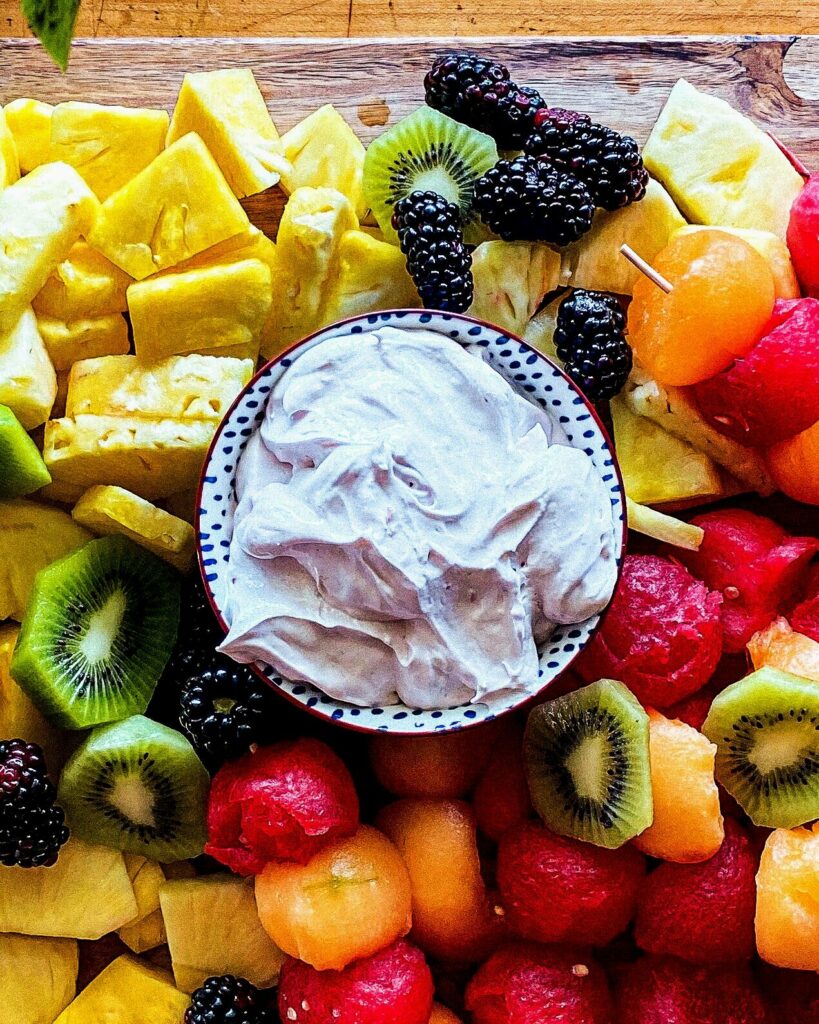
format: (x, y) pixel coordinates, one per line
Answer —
(409, 527)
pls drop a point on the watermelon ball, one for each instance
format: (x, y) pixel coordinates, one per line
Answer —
(772, 392)
(803, 236)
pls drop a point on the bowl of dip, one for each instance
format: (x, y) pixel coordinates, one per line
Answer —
(410, 521)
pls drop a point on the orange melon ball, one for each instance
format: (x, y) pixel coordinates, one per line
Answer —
(350, 901)
(721, 300)
(794, 465)
(787, 898)
(687, 825)
(441, 1015)
(779, 646)
(451, 914)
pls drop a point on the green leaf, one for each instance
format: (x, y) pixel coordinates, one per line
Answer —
(52, 21)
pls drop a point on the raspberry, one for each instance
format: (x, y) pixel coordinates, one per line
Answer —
(32, 828)
(702, 912)
(284, 802)
(390, 987)
(229, 1000)
(755, 564)
(590, 339)
(501, 798)
(661, 636)
(529, 984)
(556, 889)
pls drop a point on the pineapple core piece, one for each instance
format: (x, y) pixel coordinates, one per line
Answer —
(69, 341)
(718, 166)
(107, 145)
(210, 307)
(372, 275)
(177, 207)
(9, 163)
(29, 122)
(228, 112)
(511, 279)
(28, 383)
(41, 217)
(85, 284)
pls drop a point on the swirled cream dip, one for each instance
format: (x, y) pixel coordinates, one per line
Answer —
(409, 527)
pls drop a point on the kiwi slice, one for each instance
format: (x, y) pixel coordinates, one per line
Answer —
(427, 151)
(23, 468)
(588, 764)
(98, 630)
(138, 786)
(766, 728)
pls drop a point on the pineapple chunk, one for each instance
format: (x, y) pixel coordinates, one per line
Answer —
(19, 717)
(41, 217)
(372, 275)
(113, 510)
(38, 977)
(107, 145)
(227, 110)
(147, 930)
(67, 343)
(153, 458)
(9, 164)
(252, 244)
(29, 122)
(28, 383)
(511, 279)
(312, 226)
(32, 536)
(540, 331)
(664, 528)
(85, 284)
(208, 307)
(324, 152)
(128, 992)
(177, 207)
(181, 387)
(595, 261)
(718, 166)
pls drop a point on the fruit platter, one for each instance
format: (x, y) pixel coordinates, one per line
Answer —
(409, 554)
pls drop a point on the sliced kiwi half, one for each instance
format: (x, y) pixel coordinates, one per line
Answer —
(588, 764)
(427, 151)
(23, 469)
(98, 630)
(138, 786)
(766, 728)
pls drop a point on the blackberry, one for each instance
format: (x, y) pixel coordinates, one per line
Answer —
(590, 339)
(609, 164)
(199, 633)
(527, 199)
(32, 828)
(479, 92)
(430, 235)
(230, 1000)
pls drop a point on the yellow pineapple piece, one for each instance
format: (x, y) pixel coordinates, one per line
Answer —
(28, 383)
(147, 930)
(128, 992)
(9, 163)
(38, 977)
(718, 166)
(663, 527)
(324, 152)
(67, 343)
(41, 217)
(540, 331)
(107, 145)
(207, 307)
(152, 458)
(511, 279)
(227, 110)
(307, 249)
(372, 275)
(177, 207)
(112, 510)
(29, 122)
(252, 244)
(180, 387)
(85, 284)
(19, 717)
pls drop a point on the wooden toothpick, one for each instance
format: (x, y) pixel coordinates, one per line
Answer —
(645, 268)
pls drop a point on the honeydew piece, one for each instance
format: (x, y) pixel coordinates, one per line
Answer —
(324, 152)
(9, 163)
(29, 122)
(510, 280)
(85, 284)
(28, 382)
(68, 342)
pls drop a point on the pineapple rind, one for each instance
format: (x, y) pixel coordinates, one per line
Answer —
(372, 275)
(9, 162)
(85, 284)
(28, 382)
(128, 991)
(29, 122)
(38, 977)
(510, 280)
(69, 342)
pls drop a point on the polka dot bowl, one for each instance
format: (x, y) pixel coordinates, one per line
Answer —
(534, 376)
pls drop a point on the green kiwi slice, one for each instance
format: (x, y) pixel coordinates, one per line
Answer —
(98, 630)
(138, 786)
(427, 151)
(588, 764)
(766, 728)
(23, 468)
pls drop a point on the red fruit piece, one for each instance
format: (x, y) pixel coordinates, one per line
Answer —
(694, 709)
(772, 392)
(792, 996)
(501, 798)
(556, 889)
(805, 616)
(661, 636)
(662, 990)
(702, 912)
(283, 802)
(803, 236)
(393, 986)
(755, 564)
(529, 984)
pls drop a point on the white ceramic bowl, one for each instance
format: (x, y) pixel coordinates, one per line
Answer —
(534, 376)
